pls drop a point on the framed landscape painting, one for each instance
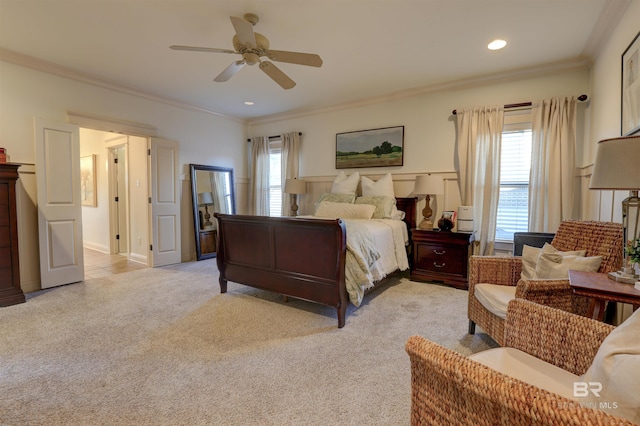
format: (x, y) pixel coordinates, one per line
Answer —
(370, 148)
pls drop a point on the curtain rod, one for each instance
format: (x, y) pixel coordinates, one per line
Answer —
(581, 98)
(275, 137)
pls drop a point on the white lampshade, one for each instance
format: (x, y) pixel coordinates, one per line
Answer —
(428, 185)
(617, 164)
(295, 186)
(205, 198)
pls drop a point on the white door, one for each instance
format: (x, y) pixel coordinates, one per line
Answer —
(164, 202)
(59, 207)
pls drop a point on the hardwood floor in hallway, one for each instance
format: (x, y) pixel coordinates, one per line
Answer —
(98, 264)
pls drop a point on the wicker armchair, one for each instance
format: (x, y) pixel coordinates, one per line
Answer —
(448, 388)
(598, 238)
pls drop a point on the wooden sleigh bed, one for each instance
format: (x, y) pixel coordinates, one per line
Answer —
(298, 257)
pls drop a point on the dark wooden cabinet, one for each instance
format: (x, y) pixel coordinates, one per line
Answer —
(441, 256)
(208, 241)
(10, 291)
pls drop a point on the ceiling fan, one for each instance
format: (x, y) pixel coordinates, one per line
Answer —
(252, 46)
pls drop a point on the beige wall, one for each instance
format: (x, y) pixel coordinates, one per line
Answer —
(606, 113)
(429, 143)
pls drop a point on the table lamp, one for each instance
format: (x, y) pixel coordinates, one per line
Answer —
(295, 187)
(428, 185)
(617, 167)
(206, 199)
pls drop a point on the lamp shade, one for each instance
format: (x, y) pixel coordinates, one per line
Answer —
(295, 186)
(617, 164)
(205, 198)
(428, 185)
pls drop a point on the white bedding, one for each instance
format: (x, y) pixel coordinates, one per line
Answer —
(389, 237)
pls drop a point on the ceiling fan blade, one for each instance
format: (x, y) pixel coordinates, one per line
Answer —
(309, 59)
(276, 75)
(229, 71)
(244, 31)
(201, 49)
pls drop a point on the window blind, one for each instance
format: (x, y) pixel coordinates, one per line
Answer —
(515, 165)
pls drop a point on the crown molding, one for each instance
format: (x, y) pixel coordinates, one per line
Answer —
(609, 17)
(478, 81)
(41, 65)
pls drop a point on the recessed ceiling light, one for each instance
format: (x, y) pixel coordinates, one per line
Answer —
(248, 102)
(497, 44)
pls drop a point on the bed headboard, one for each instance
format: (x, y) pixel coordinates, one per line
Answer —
(408, 206)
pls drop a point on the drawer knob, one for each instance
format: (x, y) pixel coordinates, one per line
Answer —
(439, 252)
(439, 266)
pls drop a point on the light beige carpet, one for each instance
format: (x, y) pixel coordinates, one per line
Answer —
(163, 346)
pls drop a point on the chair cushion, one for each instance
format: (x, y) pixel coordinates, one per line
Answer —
(522, 366)
(616, 367)
(530, 256)
(495, 297)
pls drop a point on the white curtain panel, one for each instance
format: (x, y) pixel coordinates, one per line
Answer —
(553, 175)
(289, 165)
(259, 185)
(478, 157)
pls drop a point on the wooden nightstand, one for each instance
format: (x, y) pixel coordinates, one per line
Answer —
(441, 256)
(208, 241)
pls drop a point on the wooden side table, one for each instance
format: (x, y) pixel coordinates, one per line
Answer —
(208, 241)
(602, 290)
(441, 256)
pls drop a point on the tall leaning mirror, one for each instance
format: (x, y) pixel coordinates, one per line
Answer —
(212, 190)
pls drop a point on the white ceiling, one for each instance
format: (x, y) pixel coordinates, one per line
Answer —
(370, 48)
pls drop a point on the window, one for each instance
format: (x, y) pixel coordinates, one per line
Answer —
(515, 165)
(275, 178)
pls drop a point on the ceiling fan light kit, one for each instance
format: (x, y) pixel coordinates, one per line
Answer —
(253, 46)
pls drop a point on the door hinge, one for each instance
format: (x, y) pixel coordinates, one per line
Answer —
(117, 199)
(115, 160)
(150, 247)
(149, 151)
(117, 237)
(149, 200)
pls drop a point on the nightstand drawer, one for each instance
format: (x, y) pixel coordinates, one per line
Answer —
(439, 258)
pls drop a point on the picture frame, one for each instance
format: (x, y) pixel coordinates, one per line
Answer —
(383, 147)
(630, 89)
(88, 184)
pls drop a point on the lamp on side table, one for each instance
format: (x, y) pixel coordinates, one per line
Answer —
(295, 187)
(617, 167)
(428, 185)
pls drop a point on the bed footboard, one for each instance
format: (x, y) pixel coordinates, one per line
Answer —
(303, 258)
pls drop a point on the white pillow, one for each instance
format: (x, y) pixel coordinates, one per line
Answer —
(616, 367)
(553, 266)
(383, 186)
(530, 257)
(345, 185)
(329, 210)
(383, 205)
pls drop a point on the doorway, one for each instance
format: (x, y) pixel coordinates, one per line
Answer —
(117, 226)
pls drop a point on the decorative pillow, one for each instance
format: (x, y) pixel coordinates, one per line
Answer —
(383, 186)
(345, 185)
(556, 266)
(616, 367)
(329, 210)
(337, 198)
(383, 205)
(530, 257)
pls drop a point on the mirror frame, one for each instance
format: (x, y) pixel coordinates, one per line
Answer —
(193, 168)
